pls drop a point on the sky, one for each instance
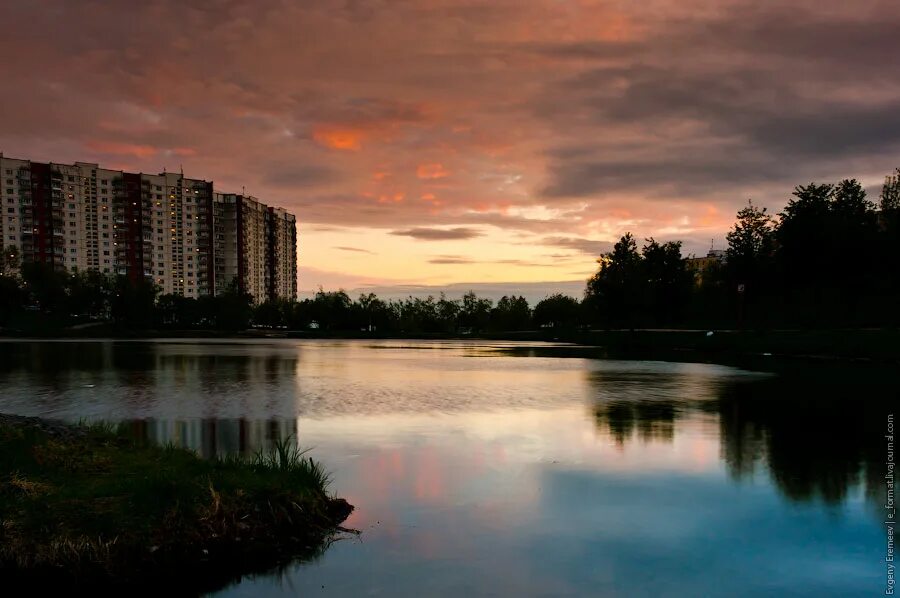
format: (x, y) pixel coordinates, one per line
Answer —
(439, 143)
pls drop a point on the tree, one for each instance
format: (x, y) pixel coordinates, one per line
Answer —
(803, 235)
(615, 291)
(45, 288)
(667, 280)
(333, 310)
(511, 313)
(233, 309)
(374, 313)
(890, 192)
(889, 250)
(11, 261)
(475, 313)
(132, 303)
(557, 311)
(751, 243)
(448, 311)
(12, 300)
(827, 238)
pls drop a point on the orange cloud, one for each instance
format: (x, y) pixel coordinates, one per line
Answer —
(431, 171)
(121, 149)
(395, 198)
(338, 138)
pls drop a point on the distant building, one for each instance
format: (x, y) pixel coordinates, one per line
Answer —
(174, 231)
(700, 265)
(257, 245)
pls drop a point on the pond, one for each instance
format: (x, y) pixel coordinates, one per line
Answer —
(486, 468)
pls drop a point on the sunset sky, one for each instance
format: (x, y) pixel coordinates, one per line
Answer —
(461, 141)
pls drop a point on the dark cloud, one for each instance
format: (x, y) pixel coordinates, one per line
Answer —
(451, 259)
(753, 96)
(652, 116)
(438, 234)
(355, 249)
(299, 176)
(586, 246)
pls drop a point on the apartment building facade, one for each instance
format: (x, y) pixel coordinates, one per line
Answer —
(166, 228)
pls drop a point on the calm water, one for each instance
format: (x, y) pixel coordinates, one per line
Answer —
(501, 470)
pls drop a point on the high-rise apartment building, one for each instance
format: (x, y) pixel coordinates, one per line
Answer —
(282, 245)
(174, 231)
(266, 266)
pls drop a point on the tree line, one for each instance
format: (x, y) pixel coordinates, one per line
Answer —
(830, 258)
(34, 297)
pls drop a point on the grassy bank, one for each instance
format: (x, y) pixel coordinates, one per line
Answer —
(91, 508)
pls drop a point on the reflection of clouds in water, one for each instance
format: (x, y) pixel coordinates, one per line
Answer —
(178, 380)
(475, 471)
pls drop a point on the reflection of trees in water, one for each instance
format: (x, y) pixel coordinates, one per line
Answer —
(652, 420)
(820, 437)
(819, 434)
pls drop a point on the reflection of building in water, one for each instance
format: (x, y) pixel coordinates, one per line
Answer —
(217, 437)
(174, 364)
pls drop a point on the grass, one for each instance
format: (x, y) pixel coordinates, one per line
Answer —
(96, 508)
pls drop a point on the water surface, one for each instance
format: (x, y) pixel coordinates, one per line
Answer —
(485, 471)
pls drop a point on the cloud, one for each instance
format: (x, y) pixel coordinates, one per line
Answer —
(338, 138)
(438, 234)
(451, 259)
(355, 249)
(436, 120)
(124, 149)
(586, 246)
(299, 175)
(431, 171)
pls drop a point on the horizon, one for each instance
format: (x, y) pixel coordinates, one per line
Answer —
(435, 145)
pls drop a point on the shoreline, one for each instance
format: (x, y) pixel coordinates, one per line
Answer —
(91, 508)
(869, 345)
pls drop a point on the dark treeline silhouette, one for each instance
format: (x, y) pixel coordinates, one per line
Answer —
(829, 259)
(335, 311)
(35, 297)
